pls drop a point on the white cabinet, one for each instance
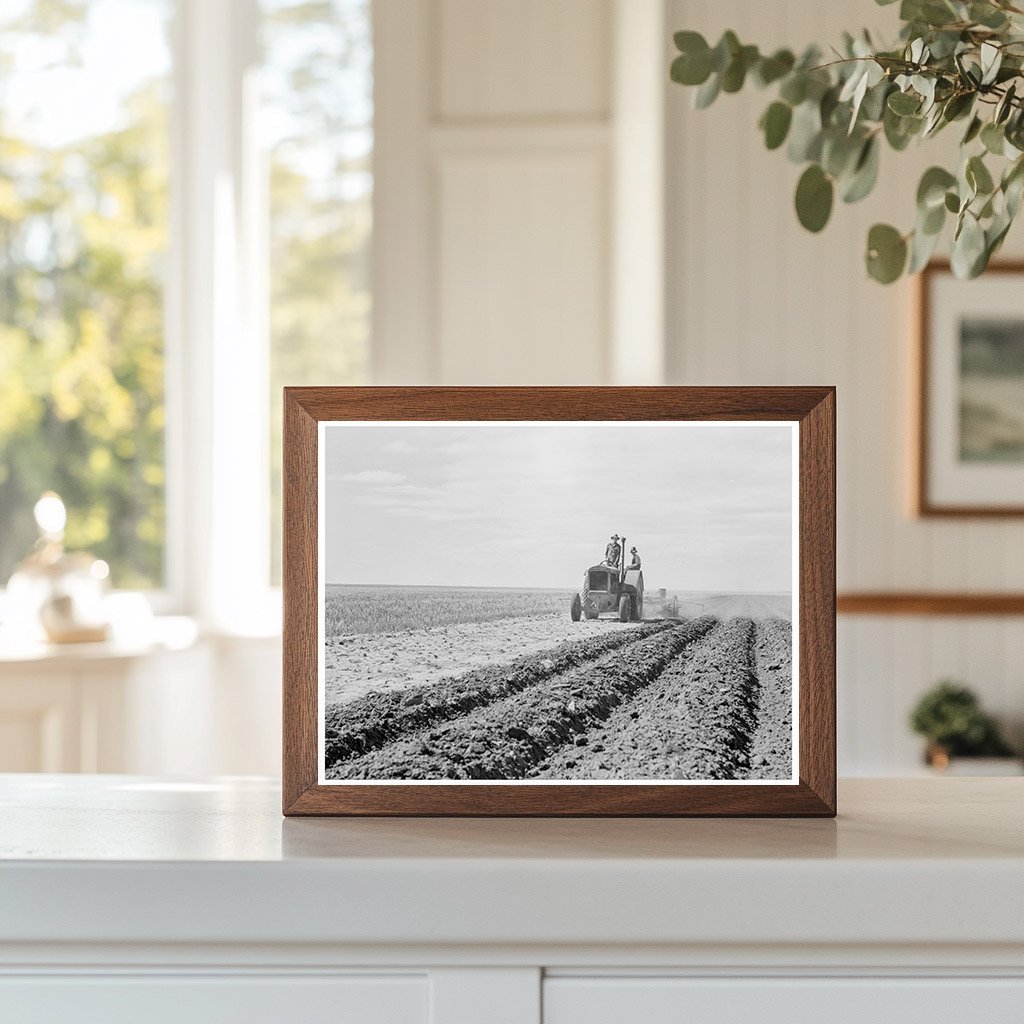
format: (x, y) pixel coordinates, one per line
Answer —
(668, 1000)
(127, 899)
(216, 1000)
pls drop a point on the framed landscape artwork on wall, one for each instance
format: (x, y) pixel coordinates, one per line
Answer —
(970, 450)
(583, 601)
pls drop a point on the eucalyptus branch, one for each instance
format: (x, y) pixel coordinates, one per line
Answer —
(955, 59)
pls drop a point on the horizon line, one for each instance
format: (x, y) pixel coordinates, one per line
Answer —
(500, 586)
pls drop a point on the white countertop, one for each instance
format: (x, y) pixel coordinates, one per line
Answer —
(121, 859)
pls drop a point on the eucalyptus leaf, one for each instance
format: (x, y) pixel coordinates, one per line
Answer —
(904, 103)
(991, 60)
(794, 88)
(707, 93)
(987, 15)
(993, 138)
(922, 248)
(1005, 105)
(771, 69)
(865, 173)
(775, 124)
(978, 176)
(931, 190)
(805, 133)
(725, 49)
(932, 221)
(814, 195)
(968, 248)
(886, 253)
(973, 130)
(735, 74)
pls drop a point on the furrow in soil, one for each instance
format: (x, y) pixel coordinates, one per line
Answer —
(693, 722)
(507, 738)
(375, 719)
(771, 747)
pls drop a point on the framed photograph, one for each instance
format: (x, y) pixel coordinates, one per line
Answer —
(559, 601)
(970, 450)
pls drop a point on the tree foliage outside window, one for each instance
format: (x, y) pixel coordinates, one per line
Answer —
(317, 118)
(83, 233)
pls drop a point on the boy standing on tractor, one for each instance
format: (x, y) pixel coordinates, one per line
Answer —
(613, 551)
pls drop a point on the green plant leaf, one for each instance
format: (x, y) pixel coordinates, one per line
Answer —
(958, 106)
(707, 93)
(735, 74)
(900, 130)
(922, 247)
(968, 255)
(805, 133)
(952, 202)
(840, 152)
(931, 191)
(775, 122)
(886, 254)
(904, 103)
(771, 69)
(991, 61)
(978, 176)
(794, 88)
(865, 173)
(993, 138)
(814, 195)
(973, 130)
(1005, 105)
(987, 15)
(725, 49)
(693, 65)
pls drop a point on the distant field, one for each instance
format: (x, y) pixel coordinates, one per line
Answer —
(360, 609)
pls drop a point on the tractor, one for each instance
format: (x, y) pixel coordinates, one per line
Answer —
(610, 588)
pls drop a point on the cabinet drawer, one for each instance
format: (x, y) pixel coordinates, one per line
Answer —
(202, 999)
(782, 1001)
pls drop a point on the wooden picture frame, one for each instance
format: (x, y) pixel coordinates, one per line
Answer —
(811, 410)
(930, 377)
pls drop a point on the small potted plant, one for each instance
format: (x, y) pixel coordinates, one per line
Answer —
(950, 718)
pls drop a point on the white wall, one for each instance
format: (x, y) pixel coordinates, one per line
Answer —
(502, 131)
(754, 299)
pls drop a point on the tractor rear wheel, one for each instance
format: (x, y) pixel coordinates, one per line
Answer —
(575, 608)
(625, 608)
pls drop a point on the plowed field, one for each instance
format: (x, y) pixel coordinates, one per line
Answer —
(703, 698)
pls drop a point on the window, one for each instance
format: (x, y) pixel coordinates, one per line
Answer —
(185, 223)
(317, 88)
(83, 235)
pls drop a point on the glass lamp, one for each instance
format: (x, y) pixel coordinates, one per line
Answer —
(57, 594)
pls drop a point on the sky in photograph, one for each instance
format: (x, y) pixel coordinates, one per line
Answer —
(709, 506)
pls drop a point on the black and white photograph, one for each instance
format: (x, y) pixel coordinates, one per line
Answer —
(546, 602)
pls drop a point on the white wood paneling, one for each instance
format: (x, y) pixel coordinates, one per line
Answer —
(518, 173)
(518, 273)
(751, 298)
(530, 58)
